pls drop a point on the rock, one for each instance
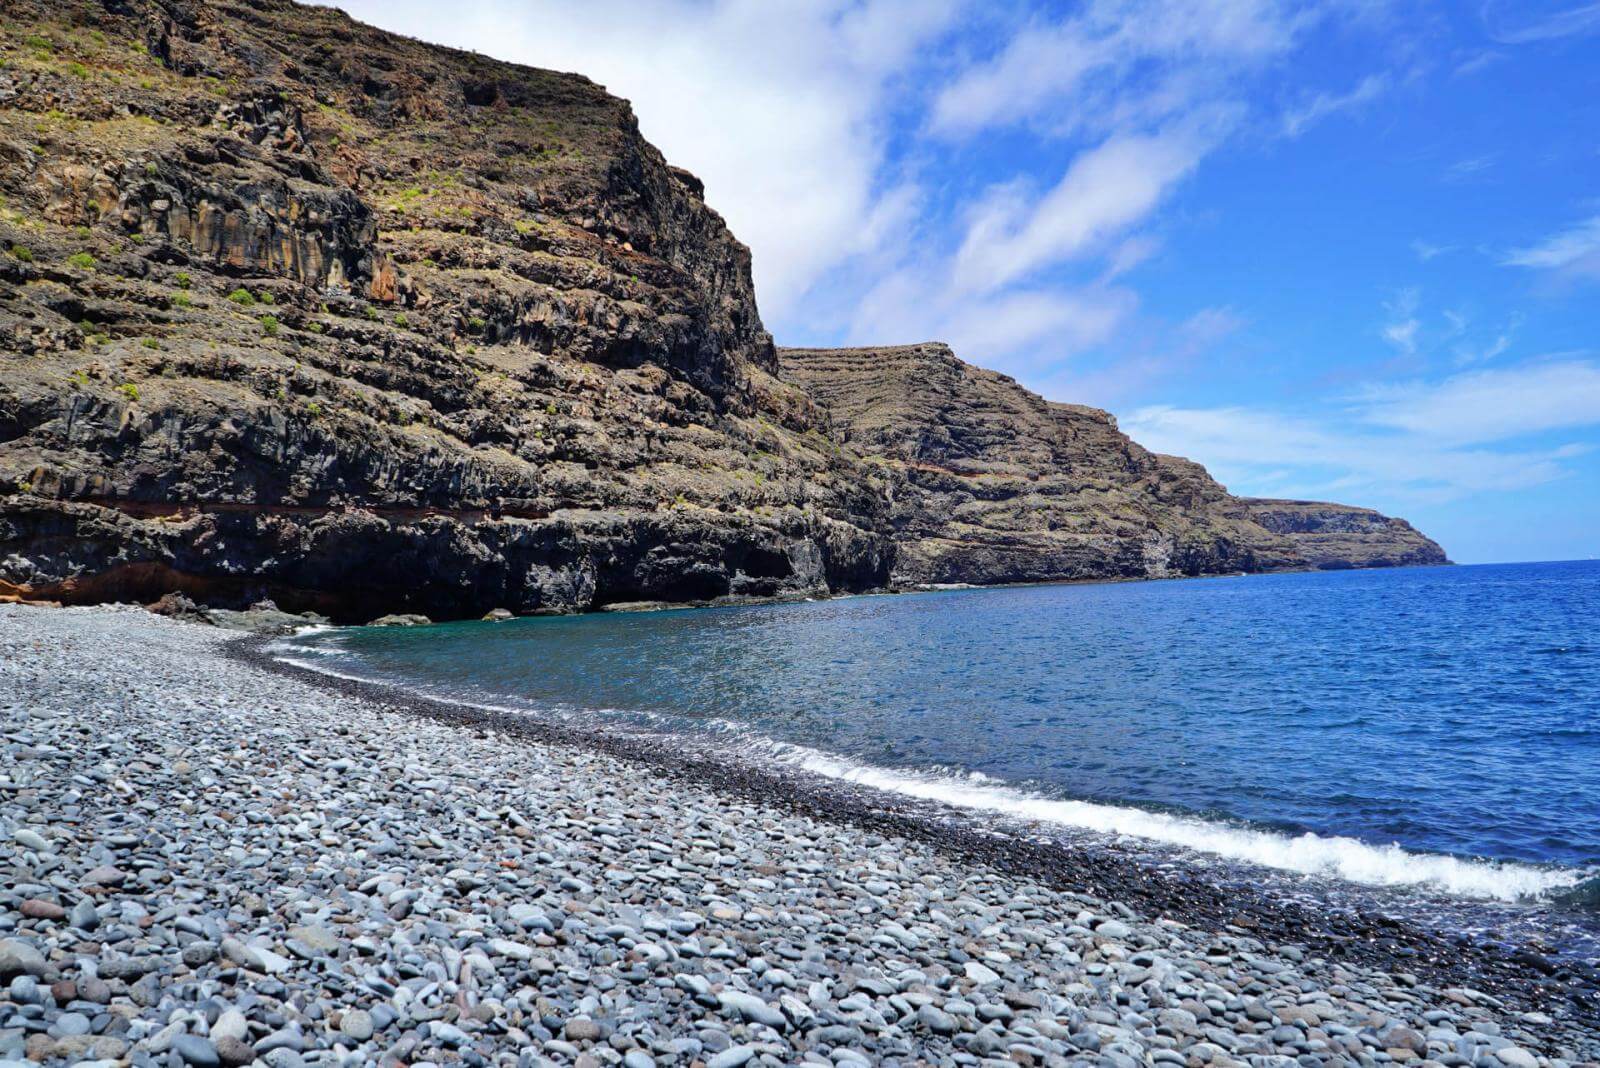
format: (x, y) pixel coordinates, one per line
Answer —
(196, 1051)
(981, 974)
(19, 958)
(498, 615)
(199, 953)
(103, 875)
(1061, 484)
(356, 1025)
(233, 1051)
(30, 839)
(582, 1030)
(85, 916)
(401, 620)
(936, 1020)
(1516, 1057)
(753, 1008)
(320, 941)
(231, 1024)
(732, 1057)
(71, 1023)
(1113, 929)
(36, 909)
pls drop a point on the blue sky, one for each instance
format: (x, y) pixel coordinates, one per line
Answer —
(1338, 249)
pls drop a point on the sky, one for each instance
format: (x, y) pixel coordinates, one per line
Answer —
(1332, 249)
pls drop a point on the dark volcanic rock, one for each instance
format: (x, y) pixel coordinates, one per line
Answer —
(992, 483)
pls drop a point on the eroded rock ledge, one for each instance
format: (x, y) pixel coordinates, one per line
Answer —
(992, 483)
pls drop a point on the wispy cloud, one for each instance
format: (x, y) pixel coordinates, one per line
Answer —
(1076, 72)
(1518, 22)
(1142, 92)
(1322, 105)
(1106, 190)
(1403, 324)
(1574, 251)
(1463, 169)
(1420, 441)
(1492, 405)
(1426, 250)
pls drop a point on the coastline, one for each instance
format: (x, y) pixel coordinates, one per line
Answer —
(891, 905)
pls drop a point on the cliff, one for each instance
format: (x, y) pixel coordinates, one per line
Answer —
(294, 308)
(991, 483)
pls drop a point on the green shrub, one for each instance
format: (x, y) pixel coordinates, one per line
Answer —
(315, 328)
(82, 233)
(476, 322)
(182, 299)
(313, 409)
(183, 279)
(24, 487)
(81, 260)
(150, 343)
(77, 70)
(266, 298)
(401, 320)
(242, 297)
(269, 325)
(372, 313)
(129, 390)
(151, 170)
(22, 253)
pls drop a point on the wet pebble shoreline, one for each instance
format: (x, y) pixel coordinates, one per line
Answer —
(203, 862)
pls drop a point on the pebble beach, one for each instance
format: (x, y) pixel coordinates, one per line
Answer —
(205, 861)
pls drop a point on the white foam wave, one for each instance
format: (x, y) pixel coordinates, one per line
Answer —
(1309, 854)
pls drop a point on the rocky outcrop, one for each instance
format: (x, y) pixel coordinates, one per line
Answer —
(1336, 536)
(989, 482)
(295, 309)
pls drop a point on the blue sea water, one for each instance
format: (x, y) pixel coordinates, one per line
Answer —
(1428, 727)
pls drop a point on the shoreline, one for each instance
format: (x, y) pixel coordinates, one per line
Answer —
(21, 596)
(311, 852)
(1518, 974)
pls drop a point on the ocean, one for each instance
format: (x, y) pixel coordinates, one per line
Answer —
(1425, 740)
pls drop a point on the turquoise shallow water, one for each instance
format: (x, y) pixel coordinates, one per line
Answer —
(1437, 727)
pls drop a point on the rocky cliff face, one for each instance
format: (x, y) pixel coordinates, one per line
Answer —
(294, 308)
(291, 307)
(991, 483)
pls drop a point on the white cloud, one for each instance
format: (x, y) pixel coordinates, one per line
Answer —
(1491, 405)
(1426, 251)
(1047, 324)
(1105, 190)
(1075, 72)
(1519, 22)
(1420, 441)
(780, 108)
(1322, 105)
(1401, 330)
(1575, 251)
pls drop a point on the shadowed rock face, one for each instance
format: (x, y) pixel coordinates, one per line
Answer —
(510, 357)
(992, 483)
(292, 307)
